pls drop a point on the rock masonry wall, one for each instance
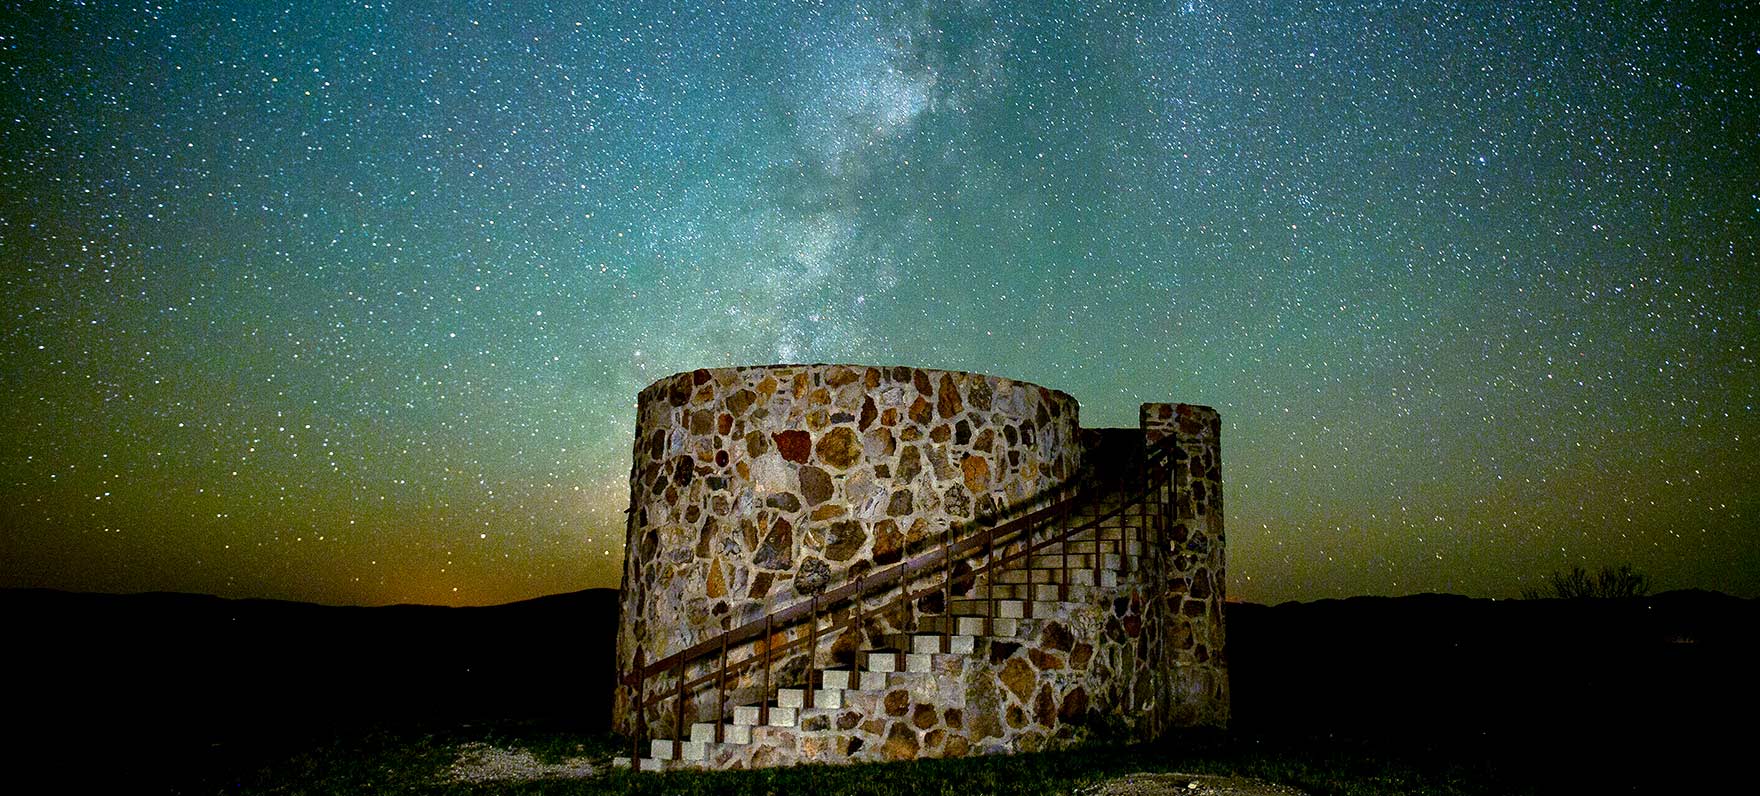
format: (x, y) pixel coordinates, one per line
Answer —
(1195, 652)
(752, 487)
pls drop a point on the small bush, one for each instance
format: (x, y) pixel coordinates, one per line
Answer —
(1608, 583)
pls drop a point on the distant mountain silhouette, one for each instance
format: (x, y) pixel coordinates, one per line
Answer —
(166, 687)
(172, 683)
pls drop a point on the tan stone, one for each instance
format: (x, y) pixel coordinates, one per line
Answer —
(1046, 661)
(977, 474)
(947, 400)
(1019, 678)
(923, 716)
(716, 587)
(921, 412)
(901, 743)
(829, 511)
(897, 702)
(839, 448)
(816, 486)
(957, 746)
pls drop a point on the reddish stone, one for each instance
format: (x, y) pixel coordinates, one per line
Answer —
(721, 458)
(724, 424)
(871, 379)
(839, 448)
(941, 433)
(700, 376)
(897, 702)
(794, 445)
(889, 418)
(1133, 625)
(920, 380)
(1001, 650)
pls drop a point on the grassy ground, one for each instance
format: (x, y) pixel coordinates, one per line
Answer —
(417, 762)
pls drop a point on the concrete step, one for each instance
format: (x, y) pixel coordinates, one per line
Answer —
(748, 716)
(797, 697)
(1005, 609)
(704, 732)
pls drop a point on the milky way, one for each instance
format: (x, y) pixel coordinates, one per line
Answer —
(350, 302)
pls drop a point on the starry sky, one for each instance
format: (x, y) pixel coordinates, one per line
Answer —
(350, 301)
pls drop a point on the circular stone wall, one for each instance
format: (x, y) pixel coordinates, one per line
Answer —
(754, 486)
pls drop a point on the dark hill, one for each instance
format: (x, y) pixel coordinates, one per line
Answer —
(169, 682)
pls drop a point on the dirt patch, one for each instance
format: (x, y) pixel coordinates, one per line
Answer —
(1186, 785)
(479, 762)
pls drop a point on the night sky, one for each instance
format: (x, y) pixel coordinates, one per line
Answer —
(350, 302)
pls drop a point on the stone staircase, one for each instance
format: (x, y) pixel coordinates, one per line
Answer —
(921, 681)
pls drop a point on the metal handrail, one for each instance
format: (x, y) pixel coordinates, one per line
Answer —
(1082, 489)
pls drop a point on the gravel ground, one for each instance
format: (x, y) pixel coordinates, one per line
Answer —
(484, 763)
(1190, 784)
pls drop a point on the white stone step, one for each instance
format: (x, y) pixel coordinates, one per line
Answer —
(882, 662)
(828, 698)
(791, 698)
(620, 762)
(837, 678)
(873, 681)
(704, 732)
(917, 662)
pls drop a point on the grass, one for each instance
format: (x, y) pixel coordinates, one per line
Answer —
(415, 761)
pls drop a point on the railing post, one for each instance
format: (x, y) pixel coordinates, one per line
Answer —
(1063, 548)
(678, 715)
(1027, 550)
(812, 647)
(989, 581)
(721, 693)
(764, 696)
(947, 619)
(641, 719)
